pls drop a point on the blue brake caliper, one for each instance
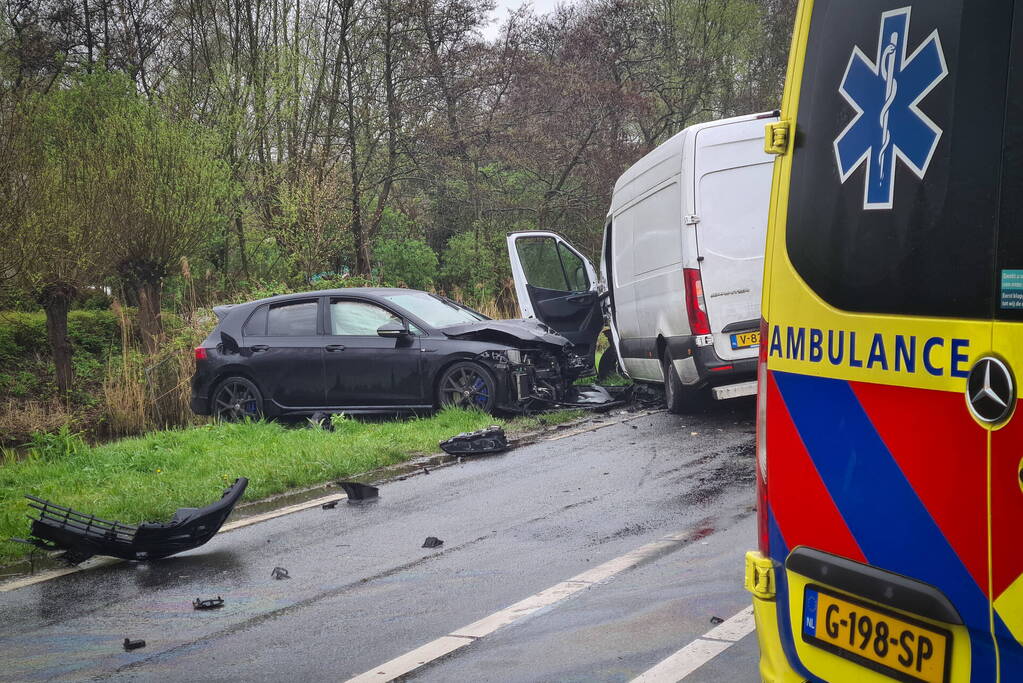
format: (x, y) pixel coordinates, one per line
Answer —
(480, 387)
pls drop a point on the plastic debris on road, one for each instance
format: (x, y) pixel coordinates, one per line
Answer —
(81, 535)
(208, 603)
(432, 542)
(482, 442)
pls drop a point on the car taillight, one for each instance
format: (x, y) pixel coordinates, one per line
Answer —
(763, 528)
(200, 353)
(695, 304)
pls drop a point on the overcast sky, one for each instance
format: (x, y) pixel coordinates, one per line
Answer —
(504, 6)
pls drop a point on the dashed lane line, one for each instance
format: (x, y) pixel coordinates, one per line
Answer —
(445, 645)
(697, 653)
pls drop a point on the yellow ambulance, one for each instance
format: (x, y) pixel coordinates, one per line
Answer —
(889, 454)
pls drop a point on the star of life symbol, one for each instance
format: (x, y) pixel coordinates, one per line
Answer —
(888, 124)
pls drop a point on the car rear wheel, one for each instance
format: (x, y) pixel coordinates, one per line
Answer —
(680, 398)
(235, 399)
(467, 385)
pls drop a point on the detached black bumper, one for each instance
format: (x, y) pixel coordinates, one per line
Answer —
(82, 535)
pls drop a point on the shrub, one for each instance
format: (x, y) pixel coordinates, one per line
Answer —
(408, 263)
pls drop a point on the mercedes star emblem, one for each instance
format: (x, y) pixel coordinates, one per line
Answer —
(990, 390)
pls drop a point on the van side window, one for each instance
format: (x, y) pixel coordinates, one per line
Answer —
(296, 319)
(541, 264)
(575, 271)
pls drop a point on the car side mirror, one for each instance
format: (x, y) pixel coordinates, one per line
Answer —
(394, 329)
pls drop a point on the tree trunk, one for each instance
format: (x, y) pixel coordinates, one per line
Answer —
(150, 321)
(56, 301)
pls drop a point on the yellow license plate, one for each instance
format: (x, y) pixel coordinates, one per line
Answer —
(895, 645)
(745, 340)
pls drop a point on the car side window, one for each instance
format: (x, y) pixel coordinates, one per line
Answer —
(256, 324)
(296, 319)
(358, 318)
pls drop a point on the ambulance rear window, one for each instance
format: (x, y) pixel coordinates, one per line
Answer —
(922, 239)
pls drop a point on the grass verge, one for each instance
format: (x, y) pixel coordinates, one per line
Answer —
(147, 478)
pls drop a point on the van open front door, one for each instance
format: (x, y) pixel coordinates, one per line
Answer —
(558, 286)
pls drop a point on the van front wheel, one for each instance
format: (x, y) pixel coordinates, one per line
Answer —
(680, 398)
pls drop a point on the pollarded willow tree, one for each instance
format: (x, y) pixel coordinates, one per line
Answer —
(171, 191)
(115, 187)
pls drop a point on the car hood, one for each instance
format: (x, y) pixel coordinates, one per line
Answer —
(511, 332)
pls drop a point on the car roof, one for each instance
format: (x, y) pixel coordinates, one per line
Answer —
(223, 310)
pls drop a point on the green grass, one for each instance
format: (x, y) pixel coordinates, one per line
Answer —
(147, 478)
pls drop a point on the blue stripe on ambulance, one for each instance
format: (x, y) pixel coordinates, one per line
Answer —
(826, 412)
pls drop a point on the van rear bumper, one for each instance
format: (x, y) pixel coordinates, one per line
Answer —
(710, 370)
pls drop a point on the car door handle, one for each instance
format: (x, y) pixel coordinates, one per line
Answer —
(260, 347)
(335, 347)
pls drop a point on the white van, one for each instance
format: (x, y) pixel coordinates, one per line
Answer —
(681, 268)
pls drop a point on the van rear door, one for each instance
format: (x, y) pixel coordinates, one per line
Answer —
(733, 191)
(556, 285)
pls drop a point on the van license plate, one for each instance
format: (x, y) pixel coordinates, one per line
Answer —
(745, 340)
(895, 645)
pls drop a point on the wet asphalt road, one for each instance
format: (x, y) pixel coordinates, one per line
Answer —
(362, 590)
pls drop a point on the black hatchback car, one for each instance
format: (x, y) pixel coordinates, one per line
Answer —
(375, 350)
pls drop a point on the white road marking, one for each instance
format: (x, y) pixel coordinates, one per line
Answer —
(460, 637)
(700, 651)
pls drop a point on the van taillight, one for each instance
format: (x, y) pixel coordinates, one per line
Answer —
(695, 304)
(763, 527)
(200, 353)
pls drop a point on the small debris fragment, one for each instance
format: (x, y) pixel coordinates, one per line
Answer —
(489, 440)
(130, 644)
(716, 620)
(432, 542)
(425, 471)
(359, 492)
(208, 603)
(634, 426)
(330, 505)
(280, 573)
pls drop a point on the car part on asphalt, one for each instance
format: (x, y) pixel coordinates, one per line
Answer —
(359, 492)
(81, 536)
(484, 441)
(130, 644)
(280, 573)
(330, 505)
(208, 603)
(432, 542)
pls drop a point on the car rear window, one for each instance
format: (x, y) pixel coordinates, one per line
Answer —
(932, 251)
(296, 319)
(256, 324)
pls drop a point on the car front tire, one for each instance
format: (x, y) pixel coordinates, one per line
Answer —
(467, 385)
